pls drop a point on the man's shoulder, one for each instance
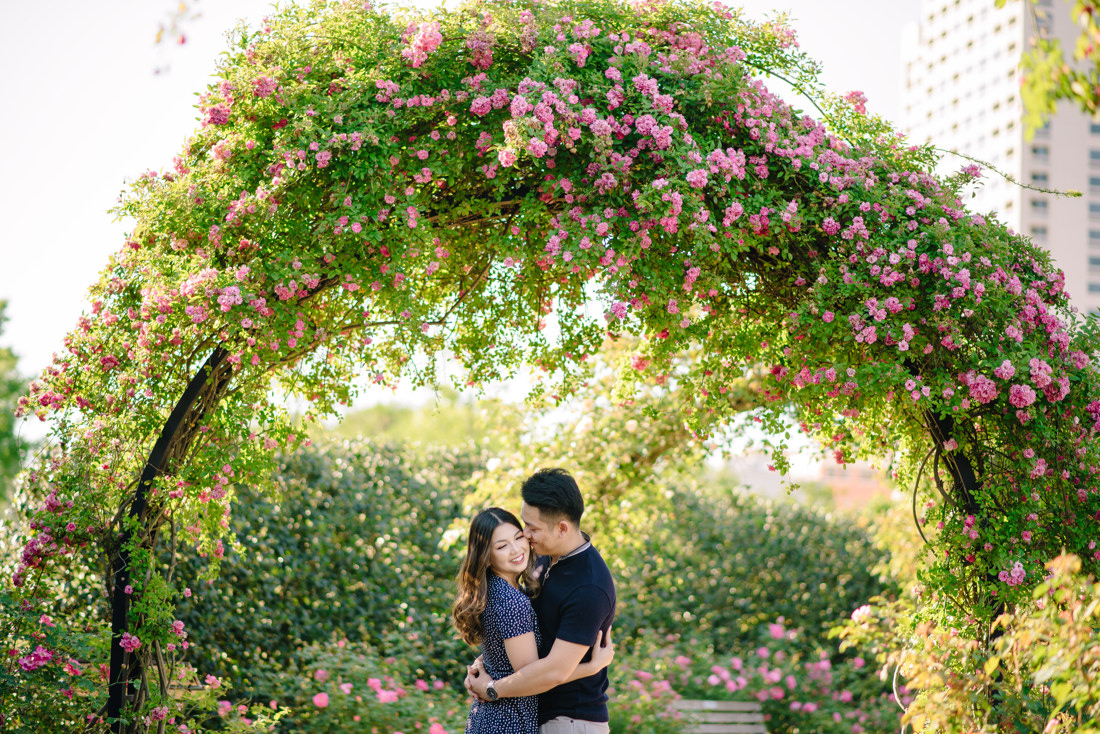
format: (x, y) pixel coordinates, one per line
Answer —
(597, 566)
(593, 576)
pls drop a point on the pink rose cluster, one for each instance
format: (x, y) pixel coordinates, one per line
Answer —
(36, 659)
(1014, 576)
(424, 42)
(129, 642)
(264, 86)
(480, 46)
(216, 115)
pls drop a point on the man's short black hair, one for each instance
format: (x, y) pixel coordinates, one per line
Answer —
(554, 492)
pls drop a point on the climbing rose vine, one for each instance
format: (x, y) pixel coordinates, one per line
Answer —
(450, 196)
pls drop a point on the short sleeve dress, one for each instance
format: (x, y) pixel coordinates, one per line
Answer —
(508, 613)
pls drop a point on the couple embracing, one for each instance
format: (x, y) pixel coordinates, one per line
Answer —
(539, 600)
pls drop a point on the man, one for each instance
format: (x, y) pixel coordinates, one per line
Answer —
(576, 604)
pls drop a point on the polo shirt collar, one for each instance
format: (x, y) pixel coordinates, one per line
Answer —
(578, 550)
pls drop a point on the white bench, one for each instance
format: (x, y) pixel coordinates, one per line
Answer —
(722, 717)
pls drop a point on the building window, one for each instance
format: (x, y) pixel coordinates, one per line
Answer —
(1042, 153)
(1040, 178)
(1094, 238)
(1094, 158)
(1038, 206)
(1094, 263)
(1039, 234)
(1094, 287)
(1094, 211)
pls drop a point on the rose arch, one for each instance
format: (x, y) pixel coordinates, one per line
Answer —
(450, 196)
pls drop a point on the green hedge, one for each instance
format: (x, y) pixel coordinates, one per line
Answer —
(350, 548)
(719, 563)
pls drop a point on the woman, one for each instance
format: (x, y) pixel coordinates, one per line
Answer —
(493, 610)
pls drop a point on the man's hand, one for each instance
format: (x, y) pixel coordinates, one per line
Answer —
(477, 679)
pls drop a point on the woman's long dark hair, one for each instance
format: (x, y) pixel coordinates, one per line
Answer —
(473, 578)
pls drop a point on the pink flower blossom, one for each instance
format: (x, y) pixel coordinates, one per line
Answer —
(424, 42)
(1005, 371)
(216, 115)
(1021, 396)
(129, 642)
(983, 389)
(264, 86)
(320, 700)
(36, 659)
(697, 178)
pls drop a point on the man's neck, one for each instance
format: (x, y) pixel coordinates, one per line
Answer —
(575, 542)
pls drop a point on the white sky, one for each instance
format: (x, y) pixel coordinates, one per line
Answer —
(84, 111)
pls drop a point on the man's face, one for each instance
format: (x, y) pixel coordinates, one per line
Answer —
(540, 533)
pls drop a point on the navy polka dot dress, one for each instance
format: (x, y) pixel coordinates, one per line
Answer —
(507, 614)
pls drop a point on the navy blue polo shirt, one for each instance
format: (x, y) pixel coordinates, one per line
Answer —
(576, 601)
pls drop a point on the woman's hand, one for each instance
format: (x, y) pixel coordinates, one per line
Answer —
(603, 652)
(474, 671)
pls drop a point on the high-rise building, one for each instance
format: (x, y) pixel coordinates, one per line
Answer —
(962, 93)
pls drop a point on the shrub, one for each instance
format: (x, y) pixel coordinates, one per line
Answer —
(351, 546)
(342, 686)
(1037, 672)
(722, 562)
(801, 691)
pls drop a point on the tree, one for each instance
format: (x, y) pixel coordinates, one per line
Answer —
(452, 420)
(1051, 76)
(449, 196)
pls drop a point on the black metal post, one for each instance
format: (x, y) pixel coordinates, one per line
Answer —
(123, 667)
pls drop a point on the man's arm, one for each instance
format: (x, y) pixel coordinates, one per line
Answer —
(538, 677)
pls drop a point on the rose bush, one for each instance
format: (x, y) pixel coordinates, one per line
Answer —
(340, 686)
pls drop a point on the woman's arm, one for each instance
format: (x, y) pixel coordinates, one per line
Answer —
(521, 650)
(602, 653)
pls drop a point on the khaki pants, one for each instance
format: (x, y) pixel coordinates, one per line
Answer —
(565, 725)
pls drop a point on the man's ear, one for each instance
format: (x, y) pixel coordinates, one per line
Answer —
(563, 527)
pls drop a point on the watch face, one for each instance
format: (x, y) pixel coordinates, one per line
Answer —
(491, 693)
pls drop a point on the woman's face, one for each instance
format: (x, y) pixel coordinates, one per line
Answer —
(508, 551)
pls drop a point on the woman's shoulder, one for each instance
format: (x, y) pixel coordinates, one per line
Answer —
(503, 594)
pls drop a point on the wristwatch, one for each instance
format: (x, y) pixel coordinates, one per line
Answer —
(491, 693)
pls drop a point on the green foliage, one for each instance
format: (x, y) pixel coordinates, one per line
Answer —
(1036, 672)
(641, 702)
(449, 421)
(1050, 76)
(721, 563)
(51, 686)
(350, 546)
(12, 386)
(342, 687)
(803, 685)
